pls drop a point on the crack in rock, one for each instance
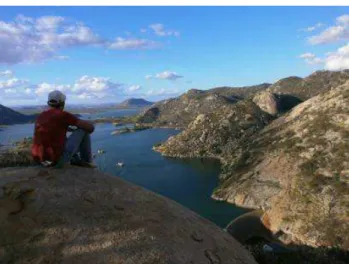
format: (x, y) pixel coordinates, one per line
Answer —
(212, 257)
(196, 237)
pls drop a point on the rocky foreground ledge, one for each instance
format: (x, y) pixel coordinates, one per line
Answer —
(77, 215)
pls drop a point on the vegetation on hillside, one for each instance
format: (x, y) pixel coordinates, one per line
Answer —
(18, 155)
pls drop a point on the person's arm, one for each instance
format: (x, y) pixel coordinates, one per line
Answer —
(71, 120)
(85, 125)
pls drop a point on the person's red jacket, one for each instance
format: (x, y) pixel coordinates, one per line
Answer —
(50, 134)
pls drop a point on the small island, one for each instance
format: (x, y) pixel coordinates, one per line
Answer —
(135, 128)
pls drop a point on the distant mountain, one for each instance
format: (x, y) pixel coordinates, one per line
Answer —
(134, 103)
(9, 116)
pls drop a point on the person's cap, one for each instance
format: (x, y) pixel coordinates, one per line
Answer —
(56, 97)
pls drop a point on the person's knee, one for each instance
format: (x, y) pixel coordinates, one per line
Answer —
(80, 131)
(85, 135)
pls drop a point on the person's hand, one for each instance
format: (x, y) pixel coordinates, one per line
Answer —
(72, 128)
(86, 125)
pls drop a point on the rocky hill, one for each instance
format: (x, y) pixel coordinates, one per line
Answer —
(180, 111)
(305, 88)
(77, 215)
(217, 134)
(239, 92)
(134, 103)
(10, 117)
(287, 93)
(295, 168)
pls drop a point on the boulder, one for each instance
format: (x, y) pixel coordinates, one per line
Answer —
(80, 215)
(267, 102)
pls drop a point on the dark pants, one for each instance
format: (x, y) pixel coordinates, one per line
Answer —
(78, 147)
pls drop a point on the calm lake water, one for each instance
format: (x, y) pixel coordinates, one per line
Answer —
(189, 182)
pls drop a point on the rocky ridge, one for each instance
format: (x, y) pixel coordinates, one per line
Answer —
(312, 85)
(280, 97)
(180, 111)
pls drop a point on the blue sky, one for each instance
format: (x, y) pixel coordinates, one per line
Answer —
(103, 54)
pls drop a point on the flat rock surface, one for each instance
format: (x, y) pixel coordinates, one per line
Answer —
(78, 215)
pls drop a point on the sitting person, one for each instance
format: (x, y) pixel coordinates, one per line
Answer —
(51, 147)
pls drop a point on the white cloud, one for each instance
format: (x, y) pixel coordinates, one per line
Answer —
(343, 20)
(44, 88)
(162, 92)
(48, 23)
(6, 73)
(167, 75)
(86, 87)
(85, 96)
(9, 91)
(24, 19)
(148, 76)
(338, 32)
(134, 88)
(307, 55)
(94, 84)
(14, 88)
(12, 83)
(31, 40)
(61, 57)
(122, 44)
(311, 58)
(334, 61)
(16, 92)
(28, 39)
(159, 29)
(312, 28)
(338, 60)
(28, 90)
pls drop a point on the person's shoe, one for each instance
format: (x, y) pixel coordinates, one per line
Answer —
(46, 163)
(85, 164)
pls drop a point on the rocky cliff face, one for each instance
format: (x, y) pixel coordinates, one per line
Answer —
(295, 168)
(180, 111)
(76, 215)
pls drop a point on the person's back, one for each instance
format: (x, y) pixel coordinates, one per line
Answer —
(50, 134)
(50, 144)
